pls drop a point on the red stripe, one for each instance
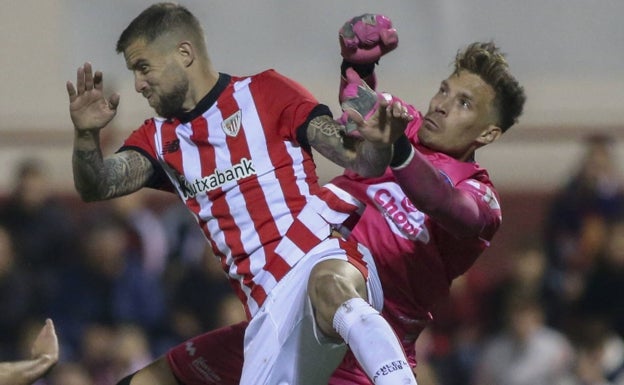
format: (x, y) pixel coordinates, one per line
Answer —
(301, 236)
(258, 294)
(354, 256)
(335, 202)
(278, 267)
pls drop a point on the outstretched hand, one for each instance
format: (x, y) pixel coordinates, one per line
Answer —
(366, 38)
(46, 343)
(379, 118)
(88, 108)
(386, 124)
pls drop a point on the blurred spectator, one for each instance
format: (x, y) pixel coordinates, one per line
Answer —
(599, 353)
(457, 329)
(70, 373)
(107, 287)
(576, 221)
(526, 352)
(605, 281)
(42, 229)
(146, 228)
(16, 297)
(196, 295)
(109, 353)
(526, 277)
(185, 239)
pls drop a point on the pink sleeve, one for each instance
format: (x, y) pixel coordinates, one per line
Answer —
(470, 209)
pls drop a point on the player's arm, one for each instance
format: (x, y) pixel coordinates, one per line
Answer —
(363, 40)
(369, 153)
(97, 178)
(45, 354)
(329, 138)
(457, 210)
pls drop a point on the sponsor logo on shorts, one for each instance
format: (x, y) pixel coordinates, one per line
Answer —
(205, 371)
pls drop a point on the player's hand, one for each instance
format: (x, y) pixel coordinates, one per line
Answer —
(378, 118)
(46, 343)
(357, 99)
(366, 38)
(88, 108)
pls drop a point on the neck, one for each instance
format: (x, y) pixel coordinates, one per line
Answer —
(201, 83)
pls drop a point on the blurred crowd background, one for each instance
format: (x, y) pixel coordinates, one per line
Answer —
(126, 279)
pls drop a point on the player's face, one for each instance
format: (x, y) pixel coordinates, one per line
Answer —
(158, 76)
(460, 115)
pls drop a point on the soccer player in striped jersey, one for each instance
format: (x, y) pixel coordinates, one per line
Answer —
(237, 151)
(426, 220)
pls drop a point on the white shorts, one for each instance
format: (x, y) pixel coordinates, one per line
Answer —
(282, 345)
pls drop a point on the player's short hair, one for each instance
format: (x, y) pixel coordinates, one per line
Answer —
(486, 60)
(161, 19)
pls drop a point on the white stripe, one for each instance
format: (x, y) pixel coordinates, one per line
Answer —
(260, 154)
(343, 195)
(289, 251)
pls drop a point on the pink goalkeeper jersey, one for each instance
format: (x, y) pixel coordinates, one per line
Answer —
(237, 164)
(416, 258)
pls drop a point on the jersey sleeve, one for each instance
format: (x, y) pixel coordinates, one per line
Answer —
(287, 103)
(487, 200)
(141, 140)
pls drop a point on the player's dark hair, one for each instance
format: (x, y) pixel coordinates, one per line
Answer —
(160, 19)
(486, 60)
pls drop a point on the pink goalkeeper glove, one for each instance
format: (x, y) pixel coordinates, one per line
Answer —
(359, 97)
(366, 38)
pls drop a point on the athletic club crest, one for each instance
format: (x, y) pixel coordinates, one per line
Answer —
(231, 125)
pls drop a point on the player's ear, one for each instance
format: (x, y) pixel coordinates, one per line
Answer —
(490, 134)
(186, 51)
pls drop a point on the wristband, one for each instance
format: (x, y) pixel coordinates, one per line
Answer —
(364, 70)
(402, 152)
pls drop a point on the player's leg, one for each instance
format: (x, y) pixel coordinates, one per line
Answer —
(213, 358)
(338, 292)
(156, 373)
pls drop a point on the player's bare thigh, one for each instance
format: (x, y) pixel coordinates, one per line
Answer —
(332, 282)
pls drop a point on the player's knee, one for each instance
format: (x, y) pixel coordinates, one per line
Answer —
(331, 284)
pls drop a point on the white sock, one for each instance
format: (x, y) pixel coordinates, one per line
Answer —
(373, 343)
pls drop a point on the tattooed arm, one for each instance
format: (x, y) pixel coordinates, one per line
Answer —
(97, 178)
(368, 157)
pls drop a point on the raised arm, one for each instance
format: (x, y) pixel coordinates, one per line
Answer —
(363, 40)
(96, 177)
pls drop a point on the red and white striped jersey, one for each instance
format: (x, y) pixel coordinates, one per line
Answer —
(237, 164)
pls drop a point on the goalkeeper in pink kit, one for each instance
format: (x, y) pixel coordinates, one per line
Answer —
(425, 221)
